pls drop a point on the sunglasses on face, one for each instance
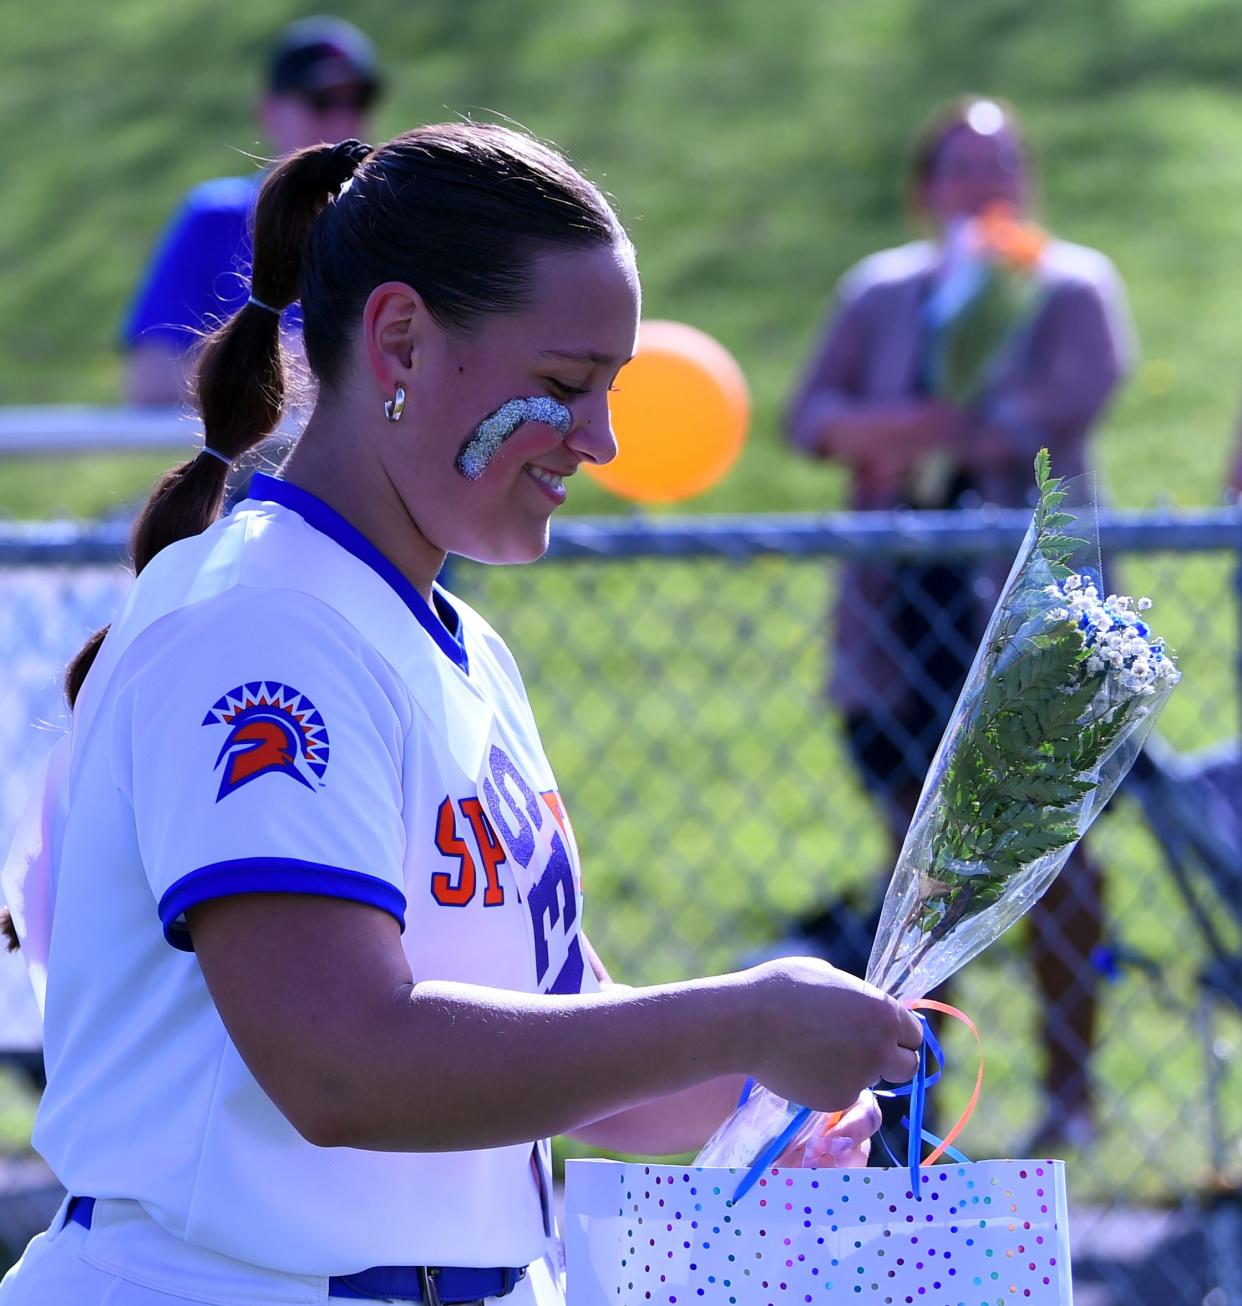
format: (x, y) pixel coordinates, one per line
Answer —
(356, 99)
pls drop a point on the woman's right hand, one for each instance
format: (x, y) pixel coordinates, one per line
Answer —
(823, 1036)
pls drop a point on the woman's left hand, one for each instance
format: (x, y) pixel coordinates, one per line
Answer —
(846, 1145)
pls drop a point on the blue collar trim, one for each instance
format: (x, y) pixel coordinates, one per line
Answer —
(316, 513)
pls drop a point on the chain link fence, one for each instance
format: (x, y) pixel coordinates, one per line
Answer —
(677, 671)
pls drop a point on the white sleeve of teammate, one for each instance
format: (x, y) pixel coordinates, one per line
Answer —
(259, 739)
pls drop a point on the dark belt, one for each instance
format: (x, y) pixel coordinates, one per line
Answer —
(432, 1285)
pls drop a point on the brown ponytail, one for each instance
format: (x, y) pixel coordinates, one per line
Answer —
(240, 378)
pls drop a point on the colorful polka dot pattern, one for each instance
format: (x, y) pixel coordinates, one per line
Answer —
(988, 1234)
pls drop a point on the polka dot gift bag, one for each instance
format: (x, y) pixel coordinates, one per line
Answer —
(989, 1233)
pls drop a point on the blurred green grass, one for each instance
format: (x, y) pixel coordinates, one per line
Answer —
(755, 153)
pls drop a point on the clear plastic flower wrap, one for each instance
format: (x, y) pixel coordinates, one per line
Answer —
(1062, 693)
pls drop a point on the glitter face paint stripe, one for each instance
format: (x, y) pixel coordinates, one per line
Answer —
(479, 450)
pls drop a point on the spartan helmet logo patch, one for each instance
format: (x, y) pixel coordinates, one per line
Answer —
(271, 728)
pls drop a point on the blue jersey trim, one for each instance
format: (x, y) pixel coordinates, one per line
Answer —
(316, 513)
(271, 875)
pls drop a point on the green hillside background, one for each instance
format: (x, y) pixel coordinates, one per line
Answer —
(755, 149)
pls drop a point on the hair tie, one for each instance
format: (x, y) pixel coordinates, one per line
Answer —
(341, 162)
(258, 303)
(215, 453)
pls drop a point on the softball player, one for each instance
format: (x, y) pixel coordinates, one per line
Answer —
(317, 989)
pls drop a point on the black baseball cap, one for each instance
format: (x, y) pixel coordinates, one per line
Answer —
(316, 53)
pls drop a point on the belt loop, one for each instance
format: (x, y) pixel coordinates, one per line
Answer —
(427, 1276)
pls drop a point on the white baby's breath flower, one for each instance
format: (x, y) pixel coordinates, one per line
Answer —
(1119, 645)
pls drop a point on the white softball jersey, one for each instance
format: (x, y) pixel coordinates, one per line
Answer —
(277, 709)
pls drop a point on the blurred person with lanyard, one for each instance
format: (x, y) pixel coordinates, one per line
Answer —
(317, 985)
(880, 396)
(322, 79)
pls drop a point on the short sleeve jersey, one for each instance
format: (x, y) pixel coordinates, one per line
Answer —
(277, 709)
(199, 274)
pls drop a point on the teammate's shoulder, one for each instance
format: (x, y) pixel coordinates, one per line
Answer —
(221, 195)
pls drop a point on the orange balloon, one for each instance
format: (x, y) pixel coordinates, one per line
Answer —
(680, 413)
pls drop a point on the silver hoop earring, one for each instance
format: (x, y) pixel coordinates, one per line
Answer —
(394, 407)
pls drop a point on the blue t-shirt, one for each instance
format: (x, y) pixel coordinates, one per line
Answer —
(199, 274)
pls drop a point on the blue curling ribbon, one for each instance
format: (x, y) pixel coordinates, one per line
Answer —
(770, 1153)
(932, 1141)
(915, 1090)
(918, 1104)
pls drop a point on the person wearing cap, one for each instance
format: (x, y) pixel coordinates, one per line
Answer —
(322, 79)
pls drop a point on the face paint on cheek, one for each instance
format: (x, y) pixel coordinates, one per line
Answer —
(479, 450)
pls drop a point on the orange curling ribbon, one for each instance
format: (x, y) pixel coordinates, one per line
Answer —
(833, 1118)
(930, 1004)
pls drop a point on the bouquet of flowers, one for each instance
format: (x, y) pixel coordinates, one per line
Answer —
(988, 292)
(985, 295)
(1063, 690)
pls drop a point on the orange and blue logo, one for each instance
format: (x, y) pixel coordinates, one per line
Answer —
(272, 727)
